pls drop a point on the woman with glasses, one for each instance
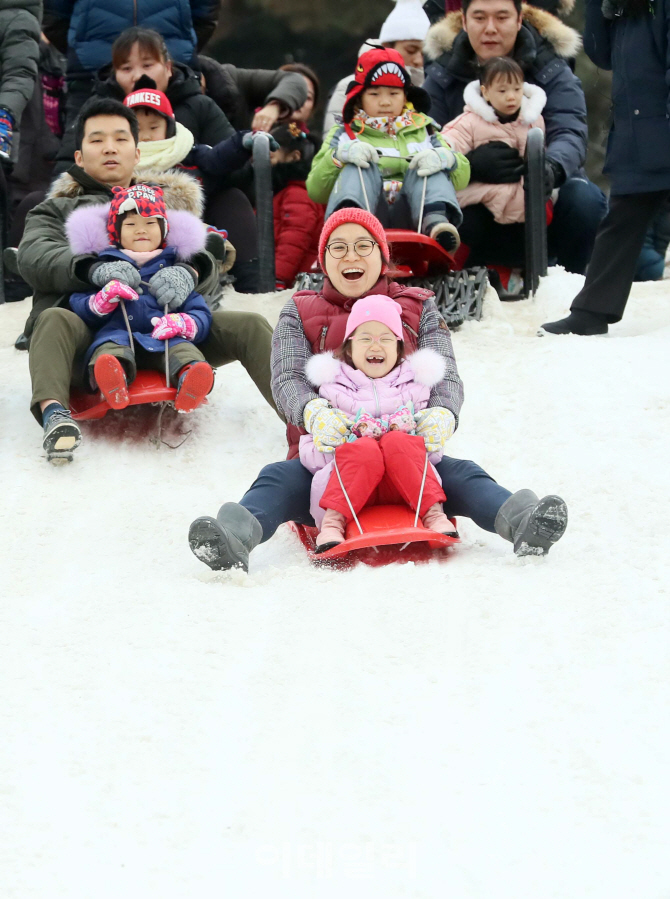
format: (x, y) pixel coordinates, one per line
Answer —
(354, 255)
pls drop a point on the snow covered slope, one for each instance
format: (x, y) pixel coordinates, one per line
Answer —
(485, 728)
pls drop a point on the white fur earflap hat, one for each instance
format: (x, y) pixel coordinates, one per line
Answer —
(407, 22)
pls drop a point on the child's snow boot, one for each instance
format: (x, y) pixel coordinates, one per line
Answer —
(332, 531)
(195, 382)
(446, 235)
(532, 525)
(62, 435)
(436, 520)
(111, 380)
(225, 541)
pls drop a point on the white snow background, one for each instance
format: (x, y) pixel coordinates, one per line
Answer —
(484, 727)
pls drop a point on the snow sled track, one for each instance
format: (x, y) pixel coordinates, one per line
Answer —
(389, 536)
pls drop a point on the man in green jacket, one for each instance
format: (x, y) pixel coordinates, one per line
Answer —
(105, 157)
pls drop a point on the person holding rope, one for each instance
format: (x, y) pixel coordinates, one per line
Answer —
(354, 255)
(388, 155)
(140, 240)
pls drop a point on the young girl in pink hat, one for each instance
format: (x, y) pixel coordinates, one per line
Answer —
(371, 381)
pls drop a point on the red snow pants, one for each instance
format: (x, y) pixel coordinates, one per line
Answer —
(382, 472)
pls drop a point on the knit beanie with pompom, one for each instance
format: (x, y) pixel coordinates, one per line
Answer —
(354, 216)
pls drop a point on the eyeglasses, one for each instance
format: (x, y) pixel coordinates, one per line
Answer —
(338, 249)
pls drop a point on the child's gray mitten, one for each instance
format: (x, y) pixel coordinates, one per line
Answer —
(117, 270)
(172, 286)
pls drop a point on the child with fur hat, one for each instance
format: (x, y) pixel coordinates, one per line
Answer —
(498, 107)
(387, 150)
(134, 237)
(379, 391)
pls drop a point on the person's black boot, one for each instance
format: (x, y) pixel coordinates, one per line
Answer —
(225, 541)
(533, 525)
(22, 342)
(246, 276)
(16, 289)
(587, 324)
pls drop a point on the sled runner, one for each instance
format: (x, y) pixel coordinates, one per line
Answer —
(389, 535)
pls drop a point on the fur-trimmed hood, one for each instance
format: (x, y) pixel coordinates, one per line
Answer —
(181, 191)
(532, 103)
(86, 230)
(425, 367)
(565, 41)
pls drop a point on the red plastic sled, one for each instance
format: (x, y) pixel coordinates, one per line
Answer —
(148, 387)
(385, 530)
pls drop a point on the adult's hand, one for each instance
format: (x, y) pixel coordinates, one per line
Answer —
(329, 427)
(495, 163)
(102, 273)
(266, 118)
(249, 138)
(172, 286)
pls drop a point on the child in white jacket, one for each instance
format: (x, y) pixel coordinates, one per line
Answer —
(499, 107)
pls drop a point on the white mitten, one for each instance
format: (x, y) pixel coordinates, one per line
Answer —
(435, 425)
(329, 427)
(357, 152)
(429, 162)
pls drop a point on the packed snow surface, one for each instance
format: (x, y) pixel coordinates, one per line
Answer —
(485, 727)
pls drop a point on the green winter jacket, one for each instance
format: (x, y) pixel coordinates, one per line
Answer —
(421, 135)
(45, 260)
(19, 52)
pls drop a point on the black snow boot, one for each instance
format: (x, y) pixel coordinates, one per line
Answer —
(225, 541)
(587, 324)
(246, 276)
(532, 524)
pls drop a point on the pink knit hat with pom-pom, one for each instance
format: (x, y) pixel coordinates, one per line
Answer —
(352, 215)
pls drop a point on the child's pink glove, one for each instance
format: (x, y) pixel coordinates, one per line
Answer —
(106, 300)
(175, 324)
(403, 420)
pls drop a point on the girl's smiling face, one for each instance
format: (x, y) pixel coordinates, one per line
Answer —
(374, 349)
(355, 272)
(139, 233)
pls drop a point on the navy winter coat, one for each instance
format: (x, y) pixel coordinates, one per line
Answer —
(542, 47)
(94, 25)
(112, 327)
(636, 50)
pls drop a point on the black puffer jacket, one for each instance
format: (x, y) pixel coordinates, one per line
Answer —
(239, 92)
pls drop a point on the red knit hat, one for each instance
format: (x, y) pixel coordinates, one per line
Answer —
(382, 67)
(354, 216)
(145, 199)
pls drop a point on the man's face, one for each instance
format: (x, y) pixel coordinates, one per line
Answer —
(108, 152)
(492, 27)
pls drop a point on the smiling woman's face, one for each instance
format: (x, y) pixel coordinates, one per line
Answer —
(353, 275)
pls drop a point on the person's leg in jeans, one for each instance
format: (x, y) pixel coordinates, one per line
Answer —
(471, 492)
(350, 191)
(578, 211)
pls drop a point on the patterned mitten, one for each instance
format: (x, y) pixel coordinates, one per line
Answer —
(176, 324)
(172, 286)
(329, 427)
(435, 425)
(366, 425)
(403, 420)
(430, 162)
(6, 131)
(106, 300)
(103, 272)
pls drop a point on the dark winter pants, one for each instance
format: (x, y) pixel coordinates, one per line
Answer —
(179, 355)
(578, 211)
(615, 255)
(377, 472)
(60, 340)
(281, 493)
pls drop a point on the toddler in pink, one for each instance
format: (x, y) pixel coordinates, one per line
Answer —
(498, 107)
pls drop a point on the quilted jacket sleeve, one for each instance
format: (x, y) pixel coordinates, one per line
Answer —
(296, 218)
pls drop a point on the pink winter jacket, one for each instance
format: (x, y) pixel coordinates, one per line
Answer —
(478, 125)
(350, 390)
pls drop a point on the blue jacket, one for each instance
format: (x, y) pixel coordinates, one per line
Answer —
(94, 25)
(542, 47)
(112, 327)
(637, 52)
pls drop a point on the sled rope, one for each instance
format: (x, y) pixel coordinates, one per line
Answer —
(365, 195)
(125, 318)
(167, 354)
(423, 203)
(418, 505)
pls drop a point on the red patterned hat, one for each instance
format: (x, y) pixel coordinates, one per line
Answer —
(145, 199)
(382, 67)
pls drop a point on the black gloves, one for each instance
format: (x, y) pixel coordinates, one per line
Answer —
(495, 163)
(554, 176)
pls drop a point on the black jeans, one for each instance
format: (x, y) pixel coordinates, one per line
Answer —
(615, 255)
(280, 493)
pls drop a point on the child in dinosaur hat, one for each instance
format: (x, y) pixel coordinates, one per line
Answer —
(387, 151)
(135, 237)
